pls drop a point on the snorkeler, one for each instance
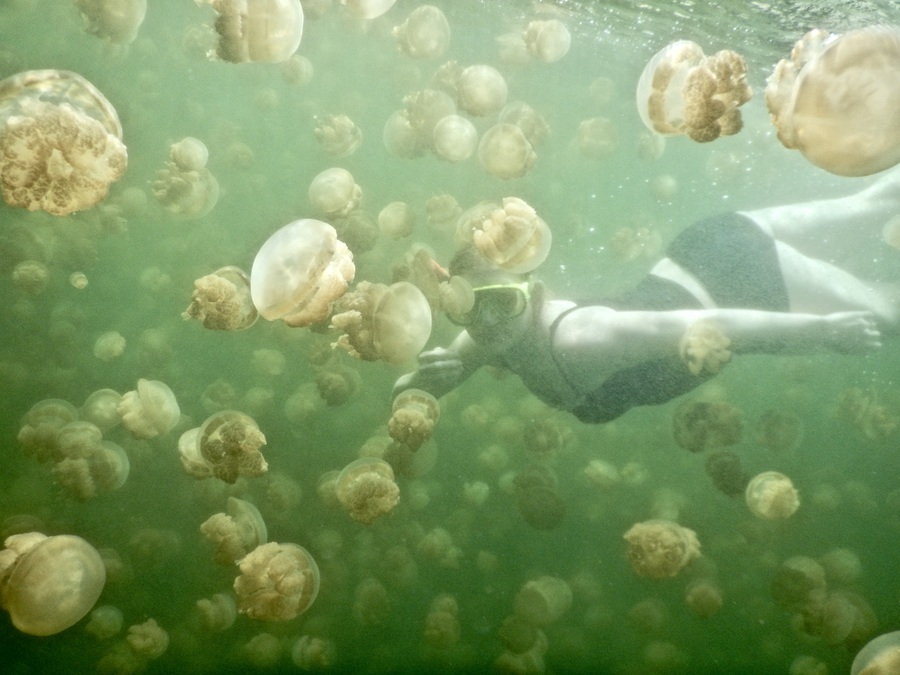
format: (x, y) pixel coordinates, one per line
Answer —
(769, 280)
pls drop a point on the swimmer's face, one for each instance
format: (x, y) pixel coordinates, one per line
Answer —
(502, 311)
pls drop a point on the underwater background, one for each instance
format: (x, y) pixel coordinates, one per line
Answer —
(378, 581)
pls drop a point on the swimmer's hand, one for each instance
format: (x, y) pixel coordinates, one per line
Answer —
(440, 370)
(852, 332)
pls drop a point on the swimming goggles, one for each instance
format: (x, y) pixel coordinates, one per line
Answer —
(494, 304)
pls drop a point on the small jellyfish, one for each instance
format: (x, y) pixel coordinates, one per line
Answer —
(726, 472)
(184, 186)
(218, 612)
(529, 120)
(299, 271)
(105, 622)
(235, 533)
(366, 489)
(771, 495)
(833, 100)
(704, 348)
(543, 601)
(660, 548)
(597, 138)
(114, 20)
(337, 135)
(455, 138)
(334, 192)
(367, 9)
(513, 237)
(400, 138)
(88, 464)
(150, 410)
(683, 91)
(49, 583)
(537, 500)
(226, 446)
(61, 142)
(700, 425)
(396, 220)
(109, 346)
(257, 30)
(547, 41)
(442, 627)
(31, 277)
(481, 90)
(221, 300)
(505, 152)
(779, 431)
(147, 640)
(277, 582)
(425, 34)
(414, 415)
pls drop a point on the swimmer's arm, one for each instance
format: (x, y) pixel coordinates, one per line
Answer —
(627, 338)
(443, 369)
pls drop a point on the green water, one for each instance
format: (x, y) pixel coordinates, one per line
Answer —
(141, 278)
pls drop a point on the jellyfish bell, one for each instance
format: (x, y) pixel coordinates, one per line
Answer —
(334, 192)
(401, 323)
(505, 152)
(881, 656)
(227, 445)
(414, 416)
(47, 584)
(257, 30)
(772, 496)
(482, 90)
(277, 582)
(513, 236)
(221, 300)
(833, 100)
(299, 271)
(367, 9)
(115, 20)
(184, 186)
(61, 142)
(455, 138)
(366, 489)
(150, 410)
(425, 34)
(547, 41)
(189, 154)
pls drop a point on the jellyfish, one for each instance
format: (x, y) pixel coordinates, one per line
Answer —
(147, 640)
(543, 601)
(704, 348)
(517, 634)
(334, 192)
(40, 428)
(400, 138)
(597, 138)
(727, 475)
(703, 597)
(184, 186)
(390, 323)
(358, 230)
(832, 98)
(537, 500)
(414, 415)
(337, 385)
(101, 408)
(423, 110)
(105, 622)
(337, 135)
(313, 653)
(437, 545)
(225, 446)
(49, 583)
(298, 70)
(109, 346)
(371, 603)
(779, 431)
(235, 533)
(442, 627)
(217, 613)
(257, 30)
(513, 236)
(60, 140)
(31, 277)
(771, 495)
(396, 220)
(660, 548)
(455, 138)
(880, 656)
(150, 410)
(277, 582)
(89, 465)
(683, 91)
(115, 20)
(481, 90)
(602, 474)
(795, 580)
(425, 34)
(366, 489)
(699, 425)
(505, 152)
(547, 41)
(299, 271)
(367, 9)
(221, 300)
(529, 120)
(456, 297)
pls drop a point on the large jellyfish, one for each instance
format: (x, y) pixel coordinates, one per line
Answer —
(835, 99)
(257, 30)
(60, 142)
(226, 446)
(277, 582)
(513, 236)
(299, 271)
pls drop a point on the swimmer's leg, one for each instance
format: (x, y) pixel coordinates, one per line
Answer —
(834, 229)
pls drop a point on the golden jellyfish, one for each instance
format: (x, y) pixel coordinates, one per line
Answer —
(441, 211)
(513, 237)
(547, 41)
(221, 300)
(337, 135)
(257, 30)
(771, 495)
(334, 192)
(313, 653)
(147, 640)
(60, 140)
(390, 323)
(226, 446)
(299, 271)
(31, 277)
(358, 230)
(414, 415)
(481, 90)
(423, 110)
(184, 186)
(700, 425)
(683, 91)
(442, 628)
(832, 99)
(396, 220)
(150, 410)
(703, 597)
(297, 70)
(88, 465)
(425, 34)
(505, 152)
(48, 584)
(366, 489)
(796, 580)
(400, 138)
(337, 385)
(726, 472)
(779, 431)
(109, 346)
(235, 533)
(217, 613)
(529, 120)
(543, 601)
(537, 500)
(115, 20)
(597, 138)
(455, 138)
(456, 296)
(658, 549)
(40, 428)
(105, 622)
(367, 9)
(277, 582)
(101, 408)
(880, 656)
(704, 348)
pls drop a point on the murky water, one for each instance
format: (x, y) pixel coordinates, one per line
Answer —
(258, 126)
